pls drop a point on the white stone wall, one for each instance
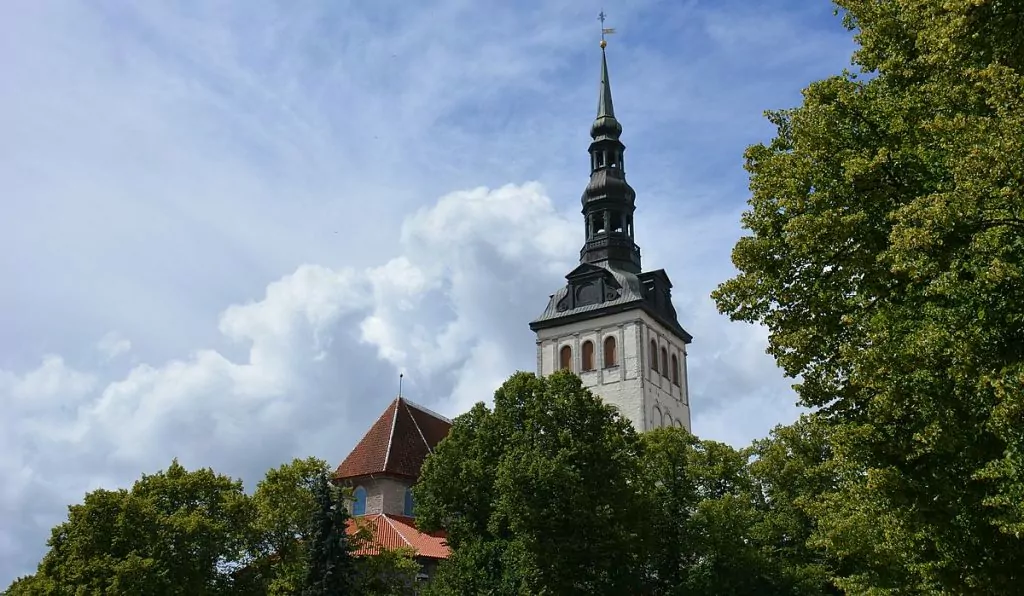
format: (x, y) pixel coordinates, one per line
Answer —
(383, 494)
(668, 404)
(646, 398)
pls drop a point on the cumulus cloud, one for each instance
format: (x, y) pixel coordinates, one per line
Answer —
(430, 311)
(451, 310)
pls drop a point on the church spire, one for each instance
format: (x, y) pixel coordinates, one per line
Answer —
(605, 109)
(605, 124)
(608, 201)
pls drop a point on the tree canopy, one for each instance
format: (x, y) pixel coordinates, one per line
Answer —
(197, 532)
(535, 494)
(552, 492)
(885, 257)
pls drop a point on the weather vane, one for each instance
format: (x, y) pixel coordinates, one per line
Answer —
(604, 30)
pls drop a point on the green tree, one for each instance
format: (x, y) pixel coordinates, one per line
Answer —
(287, 513)
(174, 532)
(537, 496)
(791, 473)
(331, 568)
(285, 504)
(389, 572)
(885, 258)
(704, 519)
(30, 585)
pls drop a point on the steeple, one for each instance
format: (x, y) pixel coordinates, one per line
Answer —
(605, 124)
(608, 201)
(612, 323)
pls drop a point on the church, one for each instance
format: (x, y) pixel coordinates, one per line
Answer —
(612, 323)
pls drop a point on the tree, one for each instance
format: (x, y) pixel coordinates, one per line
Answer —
(286, 504)
(331, 569)
(537, 496)
(287, 513)
(792, 471)
(174, 532)
(705, 531)
(180, 532)
(30, 585)
(389, 572)
(885, 258)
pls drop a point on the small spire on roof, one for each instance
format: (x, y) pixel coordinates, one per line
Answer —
(400, 375)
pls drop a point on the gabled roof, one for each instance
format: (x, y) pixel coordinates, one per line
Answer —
(397, 443)
(395, 531)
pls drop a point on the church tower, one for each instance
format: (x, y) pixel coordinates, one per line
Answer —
(612, 323)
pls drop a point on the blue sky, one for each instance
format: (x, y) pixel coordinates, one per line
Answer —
(227, 227)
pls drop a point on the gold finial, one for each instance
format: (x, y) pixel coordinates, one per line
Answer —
(604, 31)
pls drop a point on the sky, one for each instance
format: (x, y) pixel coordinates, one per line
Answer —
(227, 227)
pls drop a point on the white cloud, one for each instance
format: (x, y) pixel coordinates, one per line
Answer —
(451, 310)
(429, 311)
(113, 345)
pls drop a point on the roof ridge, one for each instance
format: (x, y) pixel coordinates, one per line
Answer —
(419, 430)
(391, 435)
(426, 410)
(397, 531)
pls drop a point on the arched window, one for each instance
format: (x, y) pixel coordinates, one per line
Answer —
(409, 505)
(359, 503)
(587, 353)
(675, 369)
(654, 355)
(664, 362)
(666, 420)
(609, 351)
(565, 358)
(656, 417)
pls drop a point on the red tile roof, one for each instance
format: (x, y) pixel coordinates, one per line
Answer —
(397, 443)
(395, 531)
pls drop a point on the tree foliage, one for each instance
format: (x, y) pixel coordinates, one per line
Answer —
(173, 532)
(790, 470)
(885, 257)
(285, 505)
(551, 492)
(701, 512)
(182, 532)
(390, 572)
(331, 567)
(536, 495)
